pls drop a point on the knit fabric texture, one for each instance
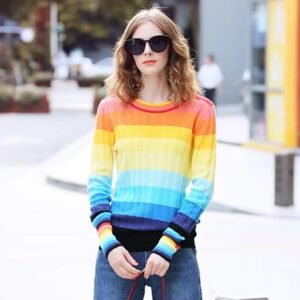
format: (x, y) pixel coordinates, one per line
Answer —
(152, 168)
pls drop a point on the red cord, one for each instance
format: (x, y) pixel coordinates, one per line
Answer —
(163, 288)
(135, 282)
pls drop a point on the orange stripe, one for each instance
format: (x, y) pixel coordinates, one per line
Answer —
(174, 119)
(104, 225)
(205, 127)
(121, 114)
(132, 118)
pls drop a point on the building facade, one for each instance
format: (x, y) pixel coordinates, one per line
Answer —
(257, 43)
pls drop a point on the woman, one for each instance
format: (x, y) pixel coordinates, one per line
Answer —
(161, 136)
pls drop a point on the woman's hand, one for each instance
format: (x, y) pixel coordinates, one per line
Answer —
(122, 263)
(156, 265)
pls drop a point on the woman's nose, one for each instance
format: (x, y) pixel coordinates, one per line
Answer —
(148, 49)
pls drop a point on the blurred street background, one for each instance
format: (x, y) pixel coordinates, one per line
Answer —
(54, 56)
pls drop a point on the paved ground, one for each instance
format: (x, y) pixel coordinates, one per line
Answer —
(27, 139)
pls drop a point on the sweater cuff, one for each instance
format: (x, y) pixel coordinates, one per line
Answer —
(107, 240)
(166, 248)
(174, 235)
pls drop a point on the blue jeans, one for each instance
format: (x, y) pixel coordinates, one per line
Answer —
(182, 280)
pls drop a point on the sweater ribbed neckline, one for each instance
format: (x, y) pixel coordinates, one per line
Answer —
(153, 107)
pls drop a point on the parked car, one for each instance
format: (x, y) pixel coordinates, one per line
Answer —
(102, 68)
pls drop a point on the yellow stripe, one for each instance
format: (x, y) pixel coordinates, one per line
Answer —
(154, 160)
(152, 144)
(103, 234)
(102, 160)
(180, 133)
(203, 165)
(205, 141)
(102, 153)
(169, 242)
(103, 137)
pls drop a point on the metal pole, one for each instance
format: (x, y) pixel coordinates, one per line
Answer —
(53, 31)
(284, 179)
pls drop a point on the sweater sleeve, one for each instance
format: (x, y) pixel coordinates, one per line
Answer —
(202, 183)
(100, 181)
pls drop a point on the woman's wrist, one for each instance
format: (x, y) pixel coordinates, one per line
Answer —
(166, 248)
(107, 239)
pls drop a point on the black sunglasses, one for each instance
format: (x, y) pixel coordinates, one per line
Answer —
(157, 43)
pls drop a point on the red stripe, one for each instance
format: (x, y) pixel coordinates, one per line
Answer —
(152, 110)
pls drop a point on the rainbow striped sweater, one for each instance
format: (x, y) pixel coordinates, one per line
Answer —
(164, 157)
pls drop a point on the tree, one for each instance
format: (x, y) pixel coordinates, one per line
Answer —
(86, 22)
(89, 21)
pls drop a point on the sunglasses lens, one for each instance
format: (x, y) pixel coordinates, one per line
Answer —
(159, 43)
(135, 46)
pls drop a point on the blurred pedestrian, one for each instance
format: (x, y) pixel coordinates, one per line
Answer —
(210, 77)
(160, 134)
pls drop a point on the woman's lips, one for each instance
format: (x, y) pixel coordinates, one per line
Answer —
(149, 62)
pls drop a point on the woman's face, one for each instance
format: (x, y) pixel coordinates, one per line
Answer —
(150, 62)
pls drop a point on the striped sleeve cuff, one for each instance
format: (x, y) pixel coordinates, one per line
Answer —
(166, 248)
(100, 218)
(174, 235)
(107, 240)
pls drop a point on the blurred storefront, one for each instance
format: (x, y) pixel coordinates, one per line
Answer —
(257, 44)
(275, 68)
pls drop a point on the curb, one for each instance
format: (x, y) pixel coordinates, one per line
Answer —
(275, 149)
(71, 186)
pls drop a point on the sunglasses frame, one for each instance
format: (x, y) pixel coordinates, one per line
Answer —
(127, 42)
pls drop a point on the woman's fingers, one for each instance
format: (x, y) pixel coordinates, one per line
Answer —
(162, 272)
(118, 261)
(129, 258)
(156, 265)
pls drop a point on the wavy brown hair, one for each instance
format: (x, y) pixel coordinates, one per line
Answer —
(126, 82)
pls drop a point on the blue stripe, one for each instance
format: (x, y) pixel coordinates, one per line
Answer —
(147, 195)
(173, 235)
(184, 222)
(100, 208)
(104, 217)
(144, 210)
(152, 178)
(99, 189)
(165, 249)
(201, 192)
(109, 243)
(135, 223)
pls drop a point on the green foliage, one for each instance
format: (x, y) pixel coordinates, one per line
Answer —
(100, 92)
(86, 22)
(42, 78)
(90, 81)
(29, 94)
(6, 95)
(89, 21)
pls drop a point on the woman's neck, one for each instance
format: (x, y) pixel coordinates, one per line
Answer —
(154, 89)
